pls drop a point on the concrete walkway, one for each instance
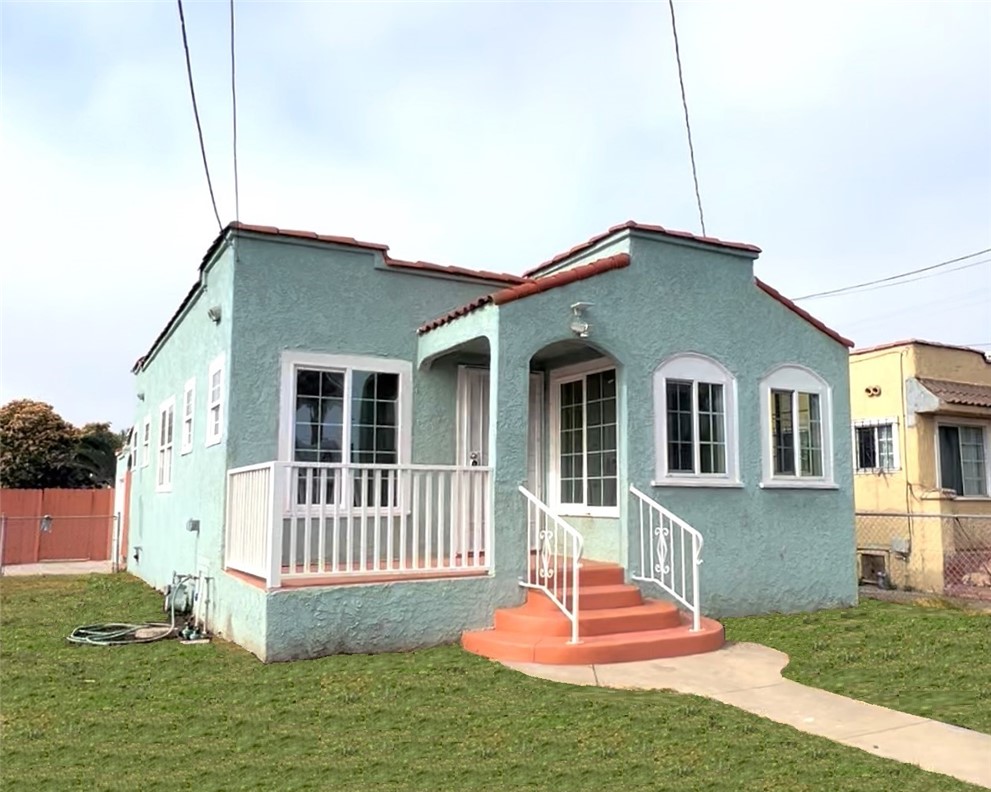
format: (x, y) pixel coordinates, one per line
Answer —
(748, 676)
(59, 568)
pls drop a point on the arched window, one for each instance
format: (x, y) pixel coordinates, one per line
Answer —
(696, 436)
(796, 428)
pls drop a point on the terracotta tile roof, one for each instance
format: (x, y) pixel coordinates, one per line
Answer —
(910, 342)
(499, 277)
(531, 286)
(635, 226)
(968, 394)
(802, 312)
(285, 232)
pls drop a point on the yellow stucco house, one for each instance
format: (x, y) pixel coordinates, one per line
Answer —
(921, 416)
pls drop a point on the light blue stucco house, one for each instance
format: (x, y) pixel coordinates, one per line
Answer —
(356, 454)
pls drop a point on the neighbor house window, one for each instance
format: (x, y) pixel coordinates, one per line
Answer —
(586, 437)
(962, 460)
(344, 411)
(188, 406)
(166, 437)
(695, 439)
(796, 411)
(146, 443)
(215, 402)
(875, 446)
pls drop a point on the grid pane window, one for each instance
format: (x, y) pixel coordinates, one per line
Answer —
(696, 427)
(791, 410)
(810, 434)
(712, 428)
(681, 441)
(587, 453)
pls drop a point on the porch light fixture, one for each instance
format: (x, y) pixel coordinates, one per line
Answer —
(213, 314)
(579, 324)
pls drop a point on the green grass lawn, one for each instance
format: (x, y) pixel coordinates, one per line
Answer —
(931, 659)
(166, 716)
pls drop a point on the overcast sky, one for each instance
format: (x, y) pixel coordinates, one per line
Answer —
(850, 141)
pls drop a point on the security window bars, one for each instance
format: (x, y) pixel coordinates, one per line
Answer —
(874, 447)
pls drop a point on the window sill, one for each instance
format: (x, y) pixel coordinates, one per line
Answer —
(876, 471)
(212, 442)
(817, 485)
(974, 498)
(698, 482)
(163, 490)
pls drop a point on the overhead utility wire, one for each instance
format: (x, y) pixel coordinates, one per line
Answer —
(918, 278)
(688, 126)
(890, 277)
(237, 197)
(196, 114)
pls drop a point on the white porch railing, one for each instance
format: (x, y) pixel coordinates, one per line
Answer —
(670, 553)
(553, 558)
(299, 520)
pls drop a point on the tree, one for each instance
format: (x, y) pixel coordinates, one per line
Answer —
(37, 446)
(95, 457)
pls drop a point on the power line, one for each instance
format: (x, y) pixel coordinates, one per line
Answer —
(196, 115)
(845, 289)
(688, 126)
(237, 197)
(920, 277)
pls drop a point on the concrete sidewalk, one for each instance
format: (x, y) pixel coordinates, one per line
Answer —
(748, 676)
(58, 568)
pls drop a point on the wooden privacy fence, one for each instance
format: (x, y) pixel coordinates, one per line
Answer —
(56, 525)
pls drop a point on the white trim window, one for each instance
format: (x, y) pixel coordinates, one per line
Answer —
(961, 452)
(215, 402)
(166, 444)
(135, 445)
(875, 445)
(584, 438)
(344, 410)
(696, 440)
(188, 409)
(146, 442)
(796, 429)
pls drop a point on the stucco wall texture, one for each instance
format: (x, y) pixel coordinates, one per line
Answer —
(764, 550)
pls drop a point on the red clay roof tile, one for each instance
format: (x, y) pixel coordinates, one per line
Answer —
(969, 394)
(526, 288)
(635, 226)
(802, 312)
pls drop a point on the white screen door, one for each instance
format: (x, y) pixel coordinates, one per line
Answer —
(472, 447)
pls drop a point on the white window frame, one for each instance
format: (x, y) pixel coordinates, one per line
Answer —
(146, 442)
(135, 445)
(188, 411)
(557, 378)
(293, 360)
(875, 424)
(165, 461)
(985, 428)
(695, 368)
(215, 429)
(792, 377)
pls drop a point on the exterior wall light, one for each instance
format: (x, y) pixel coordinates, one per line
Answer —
(579, 324)
(213, 314)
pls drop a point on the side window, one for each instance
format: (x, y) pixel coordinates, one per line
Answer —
(215, 402)
(188, 410)
(796, 428)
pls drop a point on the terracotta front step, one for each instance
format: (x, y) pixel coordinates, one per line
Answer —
(615, 624)
(538, 620)
(615, 648)
(590, 597)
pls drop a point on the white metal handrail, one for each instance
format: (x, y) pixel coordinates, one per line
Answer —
(554, 553)
(664, 540)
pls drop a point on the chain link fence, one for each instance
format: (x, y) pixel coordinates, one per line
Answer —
(948, 554)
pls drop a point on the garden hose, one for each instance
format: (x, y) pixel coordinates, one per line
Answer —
(116, 634)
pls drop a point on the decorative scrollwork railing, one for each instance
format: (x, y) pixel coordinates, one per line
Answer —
(670, 553)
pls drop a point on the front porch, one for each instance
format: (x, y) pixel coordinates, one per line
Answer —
(292, 524)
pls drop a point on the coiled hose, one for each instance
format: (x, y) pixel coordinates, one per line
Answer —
(116, 634)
